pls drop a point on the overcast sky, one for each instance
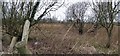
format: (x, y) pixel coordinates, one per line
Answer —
(60, 13)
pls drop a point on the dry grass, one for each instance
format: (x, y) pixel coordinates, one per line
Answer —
(51, 39)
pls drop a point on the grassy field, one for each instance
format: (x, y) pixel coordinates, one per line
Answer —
(51, 39)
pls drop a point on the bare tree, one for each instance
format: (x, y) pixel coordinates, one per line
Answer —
(106, 13)
(93, 18)
(76, 12)
(15, 14)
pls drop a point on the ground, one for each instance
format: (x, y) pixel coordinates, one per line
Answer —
(50, 38)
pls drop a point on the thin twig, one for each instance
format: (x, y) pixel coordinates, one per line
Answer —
(67, 31)
(41, 32)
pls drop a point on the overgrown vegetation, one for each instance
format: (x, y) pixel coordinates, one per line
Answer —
(75, 34)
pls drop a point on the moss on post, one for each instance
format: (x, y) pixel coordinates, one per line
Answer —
(22, 48)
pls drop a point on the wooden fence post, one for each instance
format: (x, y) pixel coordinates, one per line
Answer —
(12, 44)
(22, 45)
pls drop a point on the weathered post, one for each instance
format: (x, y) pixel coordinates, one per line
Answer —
(12, 44)
(0, 39)
(22, 45)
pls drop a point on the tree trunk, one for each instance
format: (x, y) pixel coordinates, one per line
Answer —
(0, 40)
(81, 28)
(0, 44)
(80, 31)
(118, 34)
(109, 40)
(22, 45)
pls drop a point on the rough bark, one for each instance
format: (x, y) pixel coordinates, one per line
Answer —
(109, 39)
(0, 45)
(0, 39)
(119, 41)
(22, 45)
(0, 42)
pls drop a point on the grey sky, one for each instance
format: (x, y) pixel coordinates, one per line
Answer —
(60, 13)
